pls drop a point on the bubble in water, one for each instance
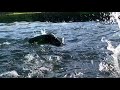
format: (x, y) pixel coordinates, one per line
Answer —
(97, 20)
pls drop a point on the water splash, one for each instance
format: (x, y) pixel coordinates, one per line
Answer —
(63, 40)
(115, 50)
(38, 68)
(74, 75)
(43, 32)
(116, 53)
(115, 17)
(29, 57)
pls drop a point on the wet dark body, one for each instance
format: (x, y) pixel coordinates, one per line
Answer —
(47, 39)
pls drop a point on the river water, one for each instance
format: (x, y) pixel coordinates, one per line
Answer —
(84, 54)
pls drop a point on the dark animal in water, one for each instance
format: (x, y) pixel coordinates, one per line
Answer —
(47, 39)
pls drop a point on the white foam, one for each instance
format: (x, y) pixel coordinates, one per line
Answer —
(38, 71)
(29, 57)
(36, 74)
(63, 40)
(103, 67)
(115, 17)
(55, 58)
(116, 51)
(44, 69)
(6, 43)
(10, 74)
(43, 32)
(115, 55)
(74, 75)
(92, 62)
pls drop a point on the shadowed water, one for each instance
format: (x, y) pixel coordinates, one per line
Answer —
(80, 57)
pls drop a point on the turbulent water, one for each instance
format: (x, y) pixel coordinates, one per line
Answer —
(86, 52)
